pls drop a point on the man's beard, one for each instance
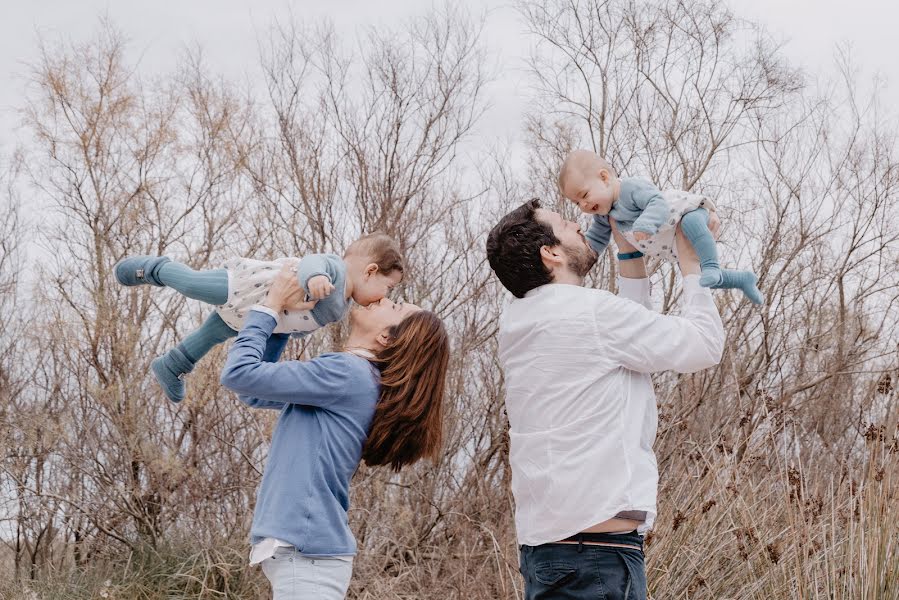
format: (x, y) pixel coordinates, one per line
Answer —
(581, 259)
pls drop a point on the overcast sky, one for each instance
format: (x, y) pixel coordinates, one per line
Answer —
(227, 30)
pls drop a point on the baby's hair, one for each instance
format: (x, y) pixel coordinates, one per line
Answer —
(380, 249)
(582, 161)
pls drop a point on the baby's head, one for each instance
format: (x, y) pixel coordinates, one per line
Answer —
(589, 181)
(374, 266)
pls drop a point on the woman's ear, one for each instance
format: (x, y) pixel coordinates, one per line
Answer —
(384, 338)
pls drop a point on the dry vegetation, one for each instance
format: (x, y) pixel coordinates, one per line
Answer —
(779, 473)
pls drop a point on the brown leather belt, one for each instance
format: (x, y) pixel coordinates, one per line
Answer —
(597, 539)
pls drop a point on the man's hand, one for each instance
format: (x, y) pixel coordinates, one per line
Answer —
(286, 292)
(686, 254)
(641, 236)
(714, 224)
(320, 287)
(629, 269)
(624, 246)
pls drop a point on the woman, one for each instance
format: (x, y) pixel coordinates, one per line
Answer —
(379, 400)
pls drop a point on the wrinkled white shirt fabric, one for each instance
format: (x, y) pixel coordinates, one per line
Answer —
(266, 549)
(581, 406)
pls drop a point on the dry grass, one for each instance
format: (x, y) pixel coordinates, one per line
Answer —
(756, 530)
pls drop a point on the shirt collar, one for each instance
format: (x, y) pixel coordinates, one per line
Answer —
(362, 352)
(546, 287)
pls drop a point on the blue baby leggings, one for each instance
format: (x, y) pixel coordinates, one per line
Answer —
(209, 286)
(695, 225)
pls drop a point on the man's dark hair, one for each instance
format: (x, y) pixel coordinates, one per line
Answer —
(513, 249)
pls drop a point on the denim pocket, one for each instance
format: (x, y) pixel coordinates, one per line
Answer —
(283, 552)
(621, 573)
(554, 574)
(635, 566)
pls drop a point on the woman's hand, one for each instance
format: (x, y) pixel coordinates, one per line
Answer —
(286, 292)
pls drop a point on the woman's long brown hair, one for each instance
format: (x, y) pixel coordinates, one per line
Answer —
(408, 420)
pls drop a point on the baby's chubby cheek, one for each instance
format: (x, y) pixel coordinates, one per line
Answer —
(585, 208)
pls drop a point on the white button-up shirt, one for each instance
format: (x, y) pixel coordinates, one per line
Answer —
(581, 406)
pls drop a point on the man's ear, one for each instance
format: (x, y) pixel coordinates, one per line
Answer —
(552, 256)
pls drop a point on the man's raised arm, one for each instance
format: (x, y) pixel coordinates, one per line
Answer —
(646, 341)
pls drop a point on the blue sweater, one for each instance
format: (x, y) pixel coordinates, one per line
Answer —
(326, 405)
(640, 207)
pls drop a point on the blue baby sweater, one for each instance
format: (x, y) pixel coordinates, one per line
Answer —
(640, 207)
(326, 405)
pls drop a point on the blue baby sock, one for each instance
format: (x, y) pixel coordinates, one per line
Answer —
(171, 367)
(139, 270)
(744, 281)
(695, 225)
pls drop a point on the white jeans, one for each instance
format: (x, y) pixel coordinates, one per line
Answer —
(297, 577)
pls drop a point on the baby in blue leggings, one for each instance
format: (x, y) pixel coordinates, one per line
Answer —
(370, 267)
(647, 218)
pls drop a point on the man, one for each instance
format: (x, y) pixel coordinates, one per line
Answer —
(580, 400)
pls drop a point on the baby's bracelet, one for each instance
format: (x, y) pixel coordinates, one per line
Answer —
(630, 255)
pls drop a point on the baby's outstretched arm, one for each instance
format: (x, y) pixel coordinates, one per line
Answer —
(599, 233)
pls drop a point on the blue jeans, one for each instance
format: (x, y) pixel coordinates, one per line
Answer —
(297, 577)
(579, 572)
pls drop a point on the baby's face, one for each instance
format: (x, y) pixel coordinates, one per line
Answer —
(593, 193)
(373, 287)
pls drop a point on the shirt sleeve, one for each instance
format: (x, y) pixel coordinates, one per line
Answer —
(274, 347)
(318, 382)
(598, 233)
(635, 290)
(649, 342)
(313, 265)
(653, 207)
(266, 310)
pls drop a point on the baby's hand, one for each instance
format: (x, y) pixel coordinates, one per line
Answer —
(641, 236)
(320, 287)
